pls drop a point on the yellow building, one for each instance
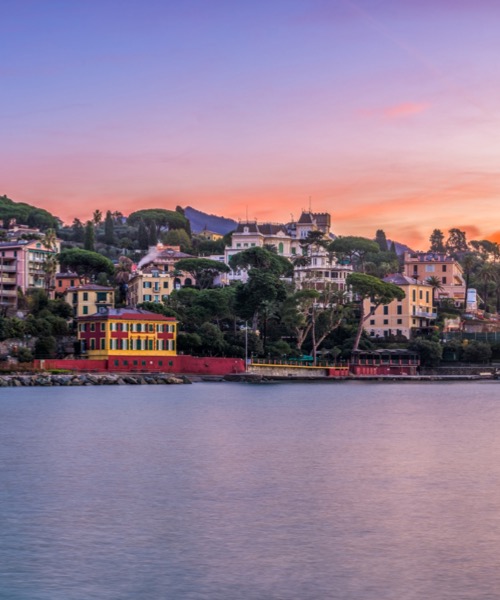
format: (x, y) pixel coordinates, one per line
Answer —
(132, 335)
(413, 314)
(156, 276)
(211, 236)
(88, 298)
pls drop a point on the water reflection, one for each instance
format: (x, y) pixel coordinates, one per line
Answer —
(350, 491)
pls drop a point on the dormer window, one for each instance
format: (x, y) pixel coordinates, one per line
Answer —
(245, 229)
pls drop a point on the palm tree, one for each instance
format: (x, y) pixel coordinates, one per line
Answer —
(488, 274)
(436, 284)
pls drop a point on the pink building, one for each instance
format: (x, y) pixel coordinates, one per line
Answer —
(22, 265)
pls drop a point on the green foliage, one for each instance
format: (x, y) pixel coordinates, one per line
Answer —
(162, 218)
(202, 247)
(11, 327)
(203, 270)
(177, 237)
(476, 352)
(430, 352)
(381, 240)
(109, 229)
(143, 236)
(260, 258)
(24, 355)
(89, 239)
(437, 241)
(45, 347)
(26, 214)
(353, 249)
(84, 263)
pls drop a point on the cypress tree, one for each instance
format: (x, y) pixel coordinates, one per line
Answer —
(89, 241)
(109, 229)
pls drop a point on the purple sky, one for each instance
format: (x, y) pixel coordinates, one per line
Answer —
(384, 113)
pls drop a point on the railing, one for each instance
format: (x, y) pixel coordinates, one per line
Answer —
(297, 363)
(7, 268)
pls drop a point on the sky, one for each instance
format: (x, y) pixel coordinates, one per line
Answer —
(384, 113)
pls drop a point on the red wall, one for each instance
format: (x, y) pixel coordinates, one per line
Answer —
(170, 364)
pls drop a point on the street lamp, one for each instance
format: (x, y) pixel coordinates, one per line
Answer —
(246, 345)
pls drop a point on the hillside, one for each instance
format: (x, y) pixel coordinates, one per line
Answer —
(200, 220)
(25, 214)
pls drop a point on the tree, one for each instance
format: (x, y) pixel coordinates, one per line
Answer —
(381, 240)
(353, 249)
(78, 231)
(377, 291)
(430, 352)
(260, 258)
(85, 264)
(89, 242)
(486, 276)
(457, 241)
(164, 219)
(109, 229)
(177, 237)
(477, 352)
(96, 217)
(143, 236)
(153, 234)
(263, 286)
(469, 263)
(437, 241)
(203, 270)
(436, 285)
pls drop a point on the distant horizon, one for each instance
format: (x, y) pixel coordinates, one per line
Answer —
(383, 114)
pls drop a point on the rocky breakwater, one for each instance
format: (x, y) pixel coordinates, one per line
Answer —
(74, 379)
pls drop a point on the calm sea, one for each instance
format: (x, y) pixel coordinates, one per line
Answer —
(233, 491)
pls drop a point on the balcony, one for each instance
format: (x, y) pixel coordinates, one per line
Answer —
(7, 268)
(424, 314)
(10, 293)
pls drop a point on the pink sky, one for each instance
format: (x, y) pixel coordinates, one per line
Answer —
(384, 114)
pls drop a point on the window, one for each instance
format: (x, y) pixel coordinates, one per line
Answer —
(85, 310)
(165, 284)
(103, 326)
(75, 297)
(85, 296)
(386, 321)
(444, 280)
(386, 310)
(372, 321)
(429, 268)
(444, 268)
(146, 284)
(414, 295)
(116, 363)
(102, 296)
(420, 294)
(59, 283)
(103, 344)
(400, 321)
(92, 343)
(427, 297)
(400, 309)
(92, 327)
(238, 245)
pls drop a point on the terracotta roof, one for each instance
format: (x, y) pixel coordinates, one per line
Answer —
(400, 279)
(90, 287)
(128, 314)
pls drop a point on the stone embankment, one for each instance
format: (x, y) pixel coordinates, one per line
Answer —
(80, 379)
